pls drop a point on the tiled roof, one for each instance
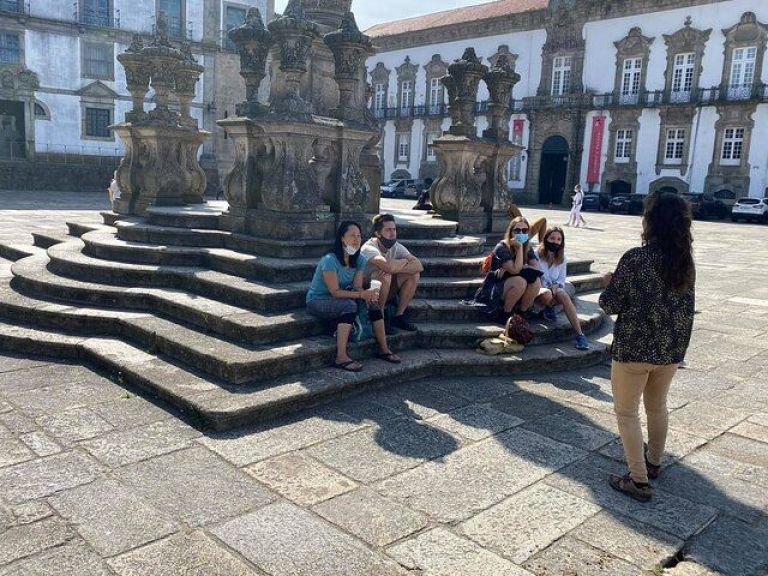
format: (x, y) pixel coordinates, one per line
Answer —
(457, 16)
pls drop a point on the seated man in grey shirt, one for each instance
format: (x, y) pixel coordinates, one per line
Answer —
(394, 266)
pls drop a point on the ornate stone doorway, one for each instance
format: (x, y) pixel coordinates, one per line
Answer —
(554, 170)
(12, 133)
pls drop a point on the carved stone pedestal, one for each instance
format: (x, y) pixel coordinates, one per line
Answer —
(457, 194)
(160, 167)
(497, 198)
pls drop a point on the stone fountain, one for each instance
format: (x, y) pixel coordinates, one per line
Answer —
(471, 187)
(160, 166)
(306, 159)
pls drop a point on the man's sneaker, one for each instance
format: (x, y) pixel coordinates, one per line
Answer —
(581, 342)
(402, 323)
(550, 314)
(625, 484)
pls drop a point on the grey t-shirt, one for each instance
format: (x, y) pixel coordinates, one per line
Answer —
(371, 250)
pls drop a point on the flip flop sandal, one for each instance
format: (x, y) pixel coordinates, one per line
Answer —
(349, 366)
(388, 357)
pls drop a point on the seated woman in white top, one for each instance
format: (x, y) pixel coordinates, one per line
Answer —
(553, 263)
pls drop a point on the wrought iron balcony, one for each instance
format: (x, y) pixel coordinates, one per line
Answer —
(98, 18)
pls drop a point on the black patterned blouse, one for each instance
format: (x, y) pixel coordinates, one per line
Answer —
(654, 323)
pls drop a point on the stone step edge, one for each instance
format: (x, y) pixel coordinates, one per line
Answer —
(15, 252)
(236, 364)
(208, 406)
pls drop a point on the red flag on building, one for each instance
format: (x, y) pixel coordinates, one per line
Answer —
(595, 150)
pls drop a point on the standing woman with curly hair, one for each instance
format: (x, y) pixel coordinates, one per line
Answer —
(652, 292)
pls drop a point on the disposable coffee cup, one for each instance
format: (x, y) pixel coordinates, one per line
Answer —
(376, 285)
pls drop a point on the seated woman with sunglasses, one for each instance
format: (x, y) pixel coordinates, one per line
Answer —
(513, 281)
(554, 264)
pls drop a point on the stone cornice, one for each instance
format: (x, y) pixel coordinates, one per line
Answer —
(589, 11)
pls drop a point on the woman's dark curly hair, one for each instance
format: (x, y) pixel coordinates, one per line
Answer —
(668, 220)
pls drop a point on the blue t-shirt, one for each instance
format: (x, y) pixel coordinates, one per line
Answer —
(329, 263)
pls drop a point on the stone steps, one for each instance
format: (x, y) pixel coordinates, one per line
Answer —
(238, 363)
(49, 238)
(135, 231)
(15, 252)
(217, 407)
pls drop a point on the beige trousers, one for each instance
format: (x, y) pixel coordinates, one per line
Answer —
(632, 381)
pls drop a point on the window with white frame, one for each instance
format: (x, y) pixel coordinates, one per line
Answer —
(403, 147)
(682, 73)
(630, 79)
(406, 95)
(733, 146)
(380, 100)
(743, 66)
(234, 16)
(673, 151)
(10, 48)
(435, 95)
(174, 11)
(561, 75)
(623, 146)
(431, 152)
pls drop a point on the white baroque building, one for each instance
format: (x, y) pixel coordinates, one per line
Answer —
(61, 85)
(622, 96)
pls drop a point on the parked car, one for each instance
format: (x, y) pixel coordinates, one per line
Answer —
(402, 188)
(632, 204)
(705, 206)
(754, 209)
(596, 201)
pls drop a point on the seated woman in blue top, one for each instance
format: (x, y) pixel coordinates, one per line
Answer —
(337, 286)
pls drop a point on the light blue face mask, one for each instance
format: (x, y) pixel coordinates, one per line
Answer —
(522, 238)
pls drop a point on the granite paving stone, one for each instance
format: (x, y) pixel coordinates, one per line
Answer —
(4, 406)
(31, 511)
(731, 547)
(749, 429)
(57, 396)
(422, 399)
(742, 449)
(12, 363)
(477, 389)
(482, 474)
(670, 513)
(193, 554)
(13, 451)
(128, 446)
(300, 478)
(476, 421)
(443, 553)
(17, 423)
(525, 405)
(110, 517)
(718, 419)
(678, 445)
(637, 543)
(25, 540)
(195, 486)
(285, 540)
(251, 445)
(70, 426)
(528, 522)
(390, 448)
(43, 477)
(570, 431)
(761, 419)
(371, 517)
(40, 443)
(572, 557)
(72, 559)
(130, 411)
(7, 518)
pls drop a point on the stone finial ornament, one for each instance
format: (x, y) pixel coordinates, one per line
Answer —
(253, 42)
(294, 35)
(350, 49)
(462, 82)
(500, 79)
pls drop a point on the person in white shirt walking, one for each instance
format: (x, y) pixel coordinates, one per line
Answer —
(576, 219)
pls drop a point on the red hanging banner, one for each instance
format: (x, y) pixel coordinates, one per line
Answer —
(517, 131)
(595, 150)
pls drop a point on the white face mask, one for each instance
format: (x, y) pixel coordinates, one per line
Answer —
(350, 250)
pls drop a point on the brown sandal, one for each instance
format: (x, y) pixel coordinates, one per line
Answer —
(654, 470)
(625, 484)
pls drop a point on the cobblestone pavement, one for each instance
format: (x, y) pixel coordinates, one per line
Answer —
(464, 477)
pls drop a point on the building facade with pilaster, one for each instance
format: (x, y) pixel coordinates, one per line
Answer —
(622, 97)
(61, 86)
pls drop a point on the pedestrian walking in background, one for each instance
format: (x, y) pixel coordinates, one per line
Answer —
(575, 218)
(652, 292)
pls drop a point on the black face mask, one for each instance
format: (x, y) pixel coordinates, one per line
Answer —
(552, 247)
(387, 243)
